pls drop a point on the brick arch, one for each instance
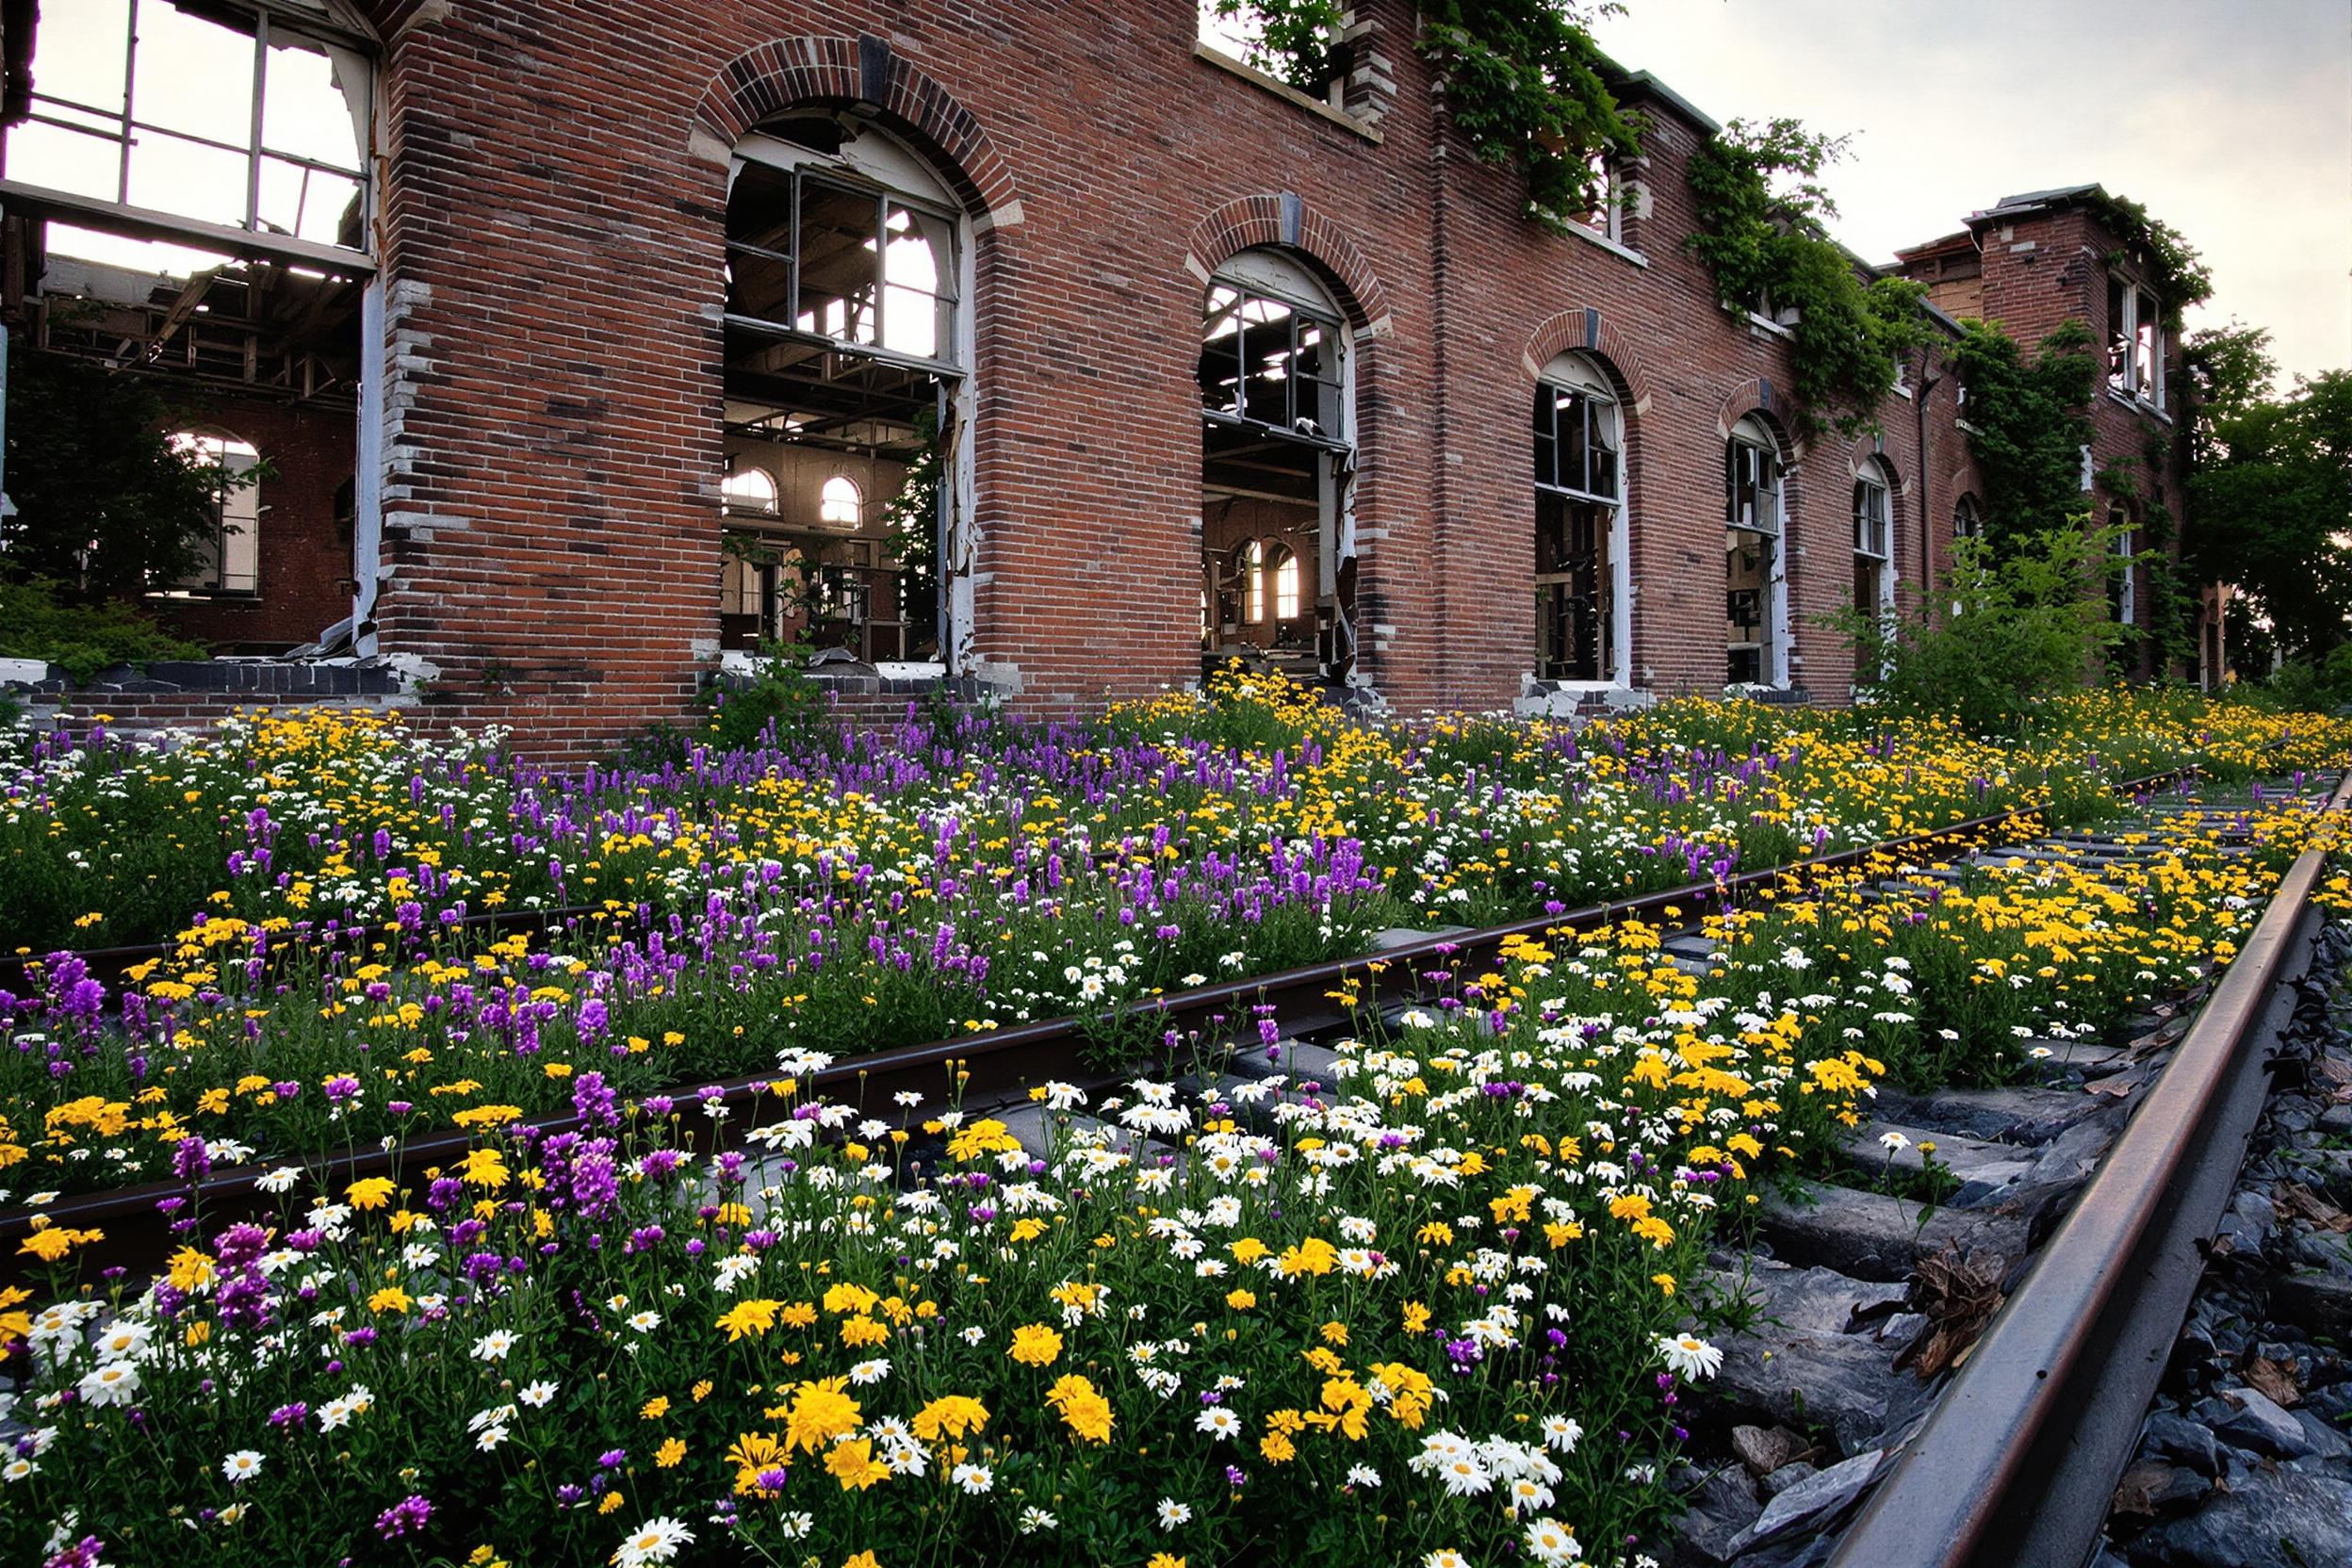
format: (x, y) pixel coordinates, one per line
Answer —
(1282, 219)
(1868, 446)
(765, 81)
(1964, 480)
(1584, 329)
(1759, 397)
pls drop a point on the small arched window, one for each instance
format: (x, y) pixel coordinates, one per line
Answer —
(1251, 564)
(2122, 587)
(749, 492)
(1285, 583)
(841, 503)
(1967, 520)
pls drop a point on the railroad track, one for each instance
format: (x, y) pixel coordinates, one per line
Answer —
(999, 1067)
(2088, 1200)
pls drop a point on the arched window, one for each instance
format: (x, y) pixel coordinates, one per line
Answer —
(226, 558)
(749, 492)
(848, 320)
(1252, 567)
(1579, 523)
(1754, 584)
(1873, 539)
(1277, 456)
(1285, 583)
(841, 502)
(1967, 518)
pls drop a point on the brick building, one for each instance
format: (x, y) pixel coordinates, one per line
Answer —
(642, 318)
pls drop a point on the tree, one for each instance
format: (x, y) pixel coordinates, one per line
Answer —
(106, 504)
(2272, 489)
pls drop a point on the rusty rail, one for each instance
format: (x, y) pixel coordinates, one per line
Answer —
(2015, 1467)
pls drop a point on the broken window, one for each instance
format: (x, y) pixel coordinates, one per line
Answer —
(191, 183)
(1754, 584)
(844, 380)
(249, 118)
(1873, 541)
(2136, 343)
(1605, 217)
(227, 557)
(1277, 457)
(1578, 523)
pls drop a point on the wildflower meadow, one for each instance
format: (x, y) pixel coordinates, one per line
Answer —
(1445, 1301)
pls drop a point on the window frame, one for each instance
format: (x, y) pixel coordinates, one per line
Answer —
(236, 515)
(1574, 381)
(2137, 342)
(826, 501)
(1748, 450)
(842, 180)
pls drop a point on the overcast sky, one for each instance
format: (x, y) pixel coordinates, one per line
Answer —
(2230, 119)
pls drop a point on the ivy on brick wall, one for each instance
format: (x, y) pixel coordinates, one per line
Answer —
(1523, 83)
(1763, 231)
(2029, 422)
(2181, 277)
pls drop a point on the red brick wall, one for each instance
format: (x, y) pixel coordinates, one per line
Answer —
(553, 245)
(305, 551)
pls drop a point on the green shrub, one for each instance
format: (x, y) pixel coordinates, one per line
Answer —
(1994, 638)
(81, 639)
(779, 706)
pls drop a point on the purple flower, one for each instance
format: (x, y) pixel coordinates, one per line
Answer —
(408, 1514)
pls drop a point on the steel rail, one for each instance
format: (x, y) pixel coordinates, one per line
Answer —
(2017, 1465)
(137, 1234)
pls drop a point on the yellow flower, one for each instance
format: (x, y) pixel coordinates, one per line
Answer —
(672, 1450)
(853, 1465)
(1034, 1345)
(1416, 1318)
(950, 1415)
(751, 1453)
(861, 1560)
(1240, 1301)
(859, 1333)
(753, 1316)
(610, 1503)
(371, 1192)
(655, 1408)
(1162, 1560)
(820, 1413)
(1083, 1410)
(1335, 1332)
(390, 1298)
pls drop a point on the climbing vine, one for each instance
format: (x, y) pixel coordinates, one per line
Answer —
(2029, 423)
(2180, 275)
(1523, 83)
(1763, 233)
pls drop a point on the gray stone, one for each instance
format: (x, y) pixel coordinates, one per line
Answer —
(2010, 1116)
(1765, 1450)
(1786, 1476)
(2319, 1303)
(2257, 1424)
(2184, 1443)
(1810, 1377)
(1812, 1498)
(1719, 1508)
(2281, 1519)
(2335, 1118)
(2327, 1441)
(1871, 1236)
(1821, 1301)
